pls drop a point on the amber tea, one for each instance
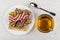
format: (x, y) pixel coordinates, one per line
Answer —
(45, 23)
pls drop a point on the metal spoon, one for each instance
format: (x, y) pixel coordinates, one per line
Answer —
(35, 5)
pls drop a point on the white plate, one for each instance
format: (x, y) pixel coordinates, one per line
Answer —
(16, 32)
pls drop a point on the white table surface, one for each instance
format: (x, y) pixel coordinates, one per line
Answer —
(51, 5)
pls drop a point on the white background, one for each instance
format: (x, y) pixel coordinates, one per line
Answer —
(51, 5)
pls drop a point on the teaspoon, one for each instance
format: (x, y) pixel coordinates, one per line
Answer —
(36, 6)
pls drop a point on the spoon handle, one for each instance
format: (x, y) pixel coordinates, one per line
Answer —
(47, 11)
